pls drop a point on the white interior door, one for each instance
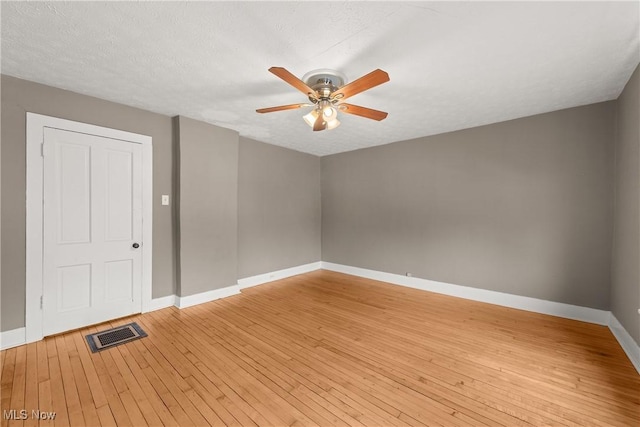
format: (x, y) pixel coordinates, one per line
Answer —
(92, 248)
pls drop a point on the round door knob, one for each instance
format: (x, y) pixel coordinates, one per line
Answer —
(136, 245)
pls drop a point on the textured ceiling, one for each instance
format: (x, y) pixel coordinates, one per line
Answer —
(453, 65)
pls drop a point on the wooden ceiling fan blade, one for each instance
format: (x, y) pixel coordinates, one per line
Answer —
(281, 108)
(293, 81)
(320, 123)
(357, 110)
(373, 79)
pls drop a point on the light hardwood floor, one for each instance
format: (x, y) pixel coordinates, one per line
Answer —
(329, 349)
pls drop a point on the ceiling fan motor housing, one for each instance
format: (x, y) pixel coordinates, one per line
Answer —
(324, 82)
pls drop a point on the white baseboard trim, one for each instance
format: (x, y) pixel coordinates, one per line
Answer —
(191, 300)
(160, 303)
(627, 343)
(13, 338)
(16, 337)
(247, 282)
(585, 314)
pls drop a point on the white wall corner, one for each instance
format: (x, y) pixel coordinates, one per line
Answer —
(248, 282)
(628, 344)
(12, 338)
(201, 298)
(568, 311)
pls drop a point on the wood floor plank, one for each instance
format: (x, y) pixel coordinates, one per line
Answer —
(120, 385)
(6, 382)
(106, 417)
(45, 402)
(19, 385)
(402, 374)
(257, 354)
(195, 324)
(97, 393)
(328, 349)
(43, 361)
(31, 385)
(333, 316)
(231, 376)
(173, 382)
(157, 385)
(81, 380)
(377, 416)
(359, 359)
(135, 391)
(286, 387)
(57, 387)
(431, 411)
(74, 407)
(147, 389)
(206, 400)
(337, 366)
(186, 332)
(107, 380)
(2, 359)
(268, 385)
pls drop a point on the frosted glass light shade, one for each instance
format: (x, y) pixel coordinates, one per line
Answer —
(329, 116)
(311, 117)
(332, 124)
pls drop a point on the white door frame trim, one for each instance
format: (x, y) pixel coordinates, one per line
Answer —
(36, 123)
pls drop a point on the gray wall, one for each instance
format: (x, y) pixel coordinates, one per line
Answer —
(20, 96)
(625, 286)
(208, 206)
(278, 208)
(196, 237)
(523, 207)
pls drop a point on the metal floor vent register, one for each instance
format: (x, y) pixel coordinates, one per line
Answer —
(116, 336)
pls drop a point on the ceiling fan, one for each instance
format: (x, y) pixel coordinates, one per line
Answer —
(326, 89)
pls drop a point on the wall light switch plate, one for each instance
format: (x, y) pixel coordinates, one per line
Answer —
(165, 200)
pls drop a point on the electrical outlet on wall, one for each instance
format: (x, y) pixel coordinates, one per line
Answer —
(165, 200)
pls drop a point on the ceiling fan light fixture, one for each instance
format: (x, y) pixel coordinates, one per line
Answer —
(328, 112)
(332, 124)
(311, 117)
(326, 90)
(329, 118)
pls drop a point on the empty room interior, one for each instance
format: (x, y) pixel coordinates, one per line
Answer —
(320, 213)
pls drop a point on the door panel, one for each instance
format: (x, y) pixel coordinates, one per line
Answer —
(92, 217)
(119, 194)
(72, 292)
(118, 280)
(74, 193)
